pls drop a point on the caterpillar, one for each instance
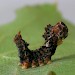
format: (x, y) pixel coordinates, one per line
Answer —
(53, 36)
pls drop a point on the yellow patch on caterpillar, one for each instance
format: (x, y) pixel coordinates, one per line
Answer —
(59, 42)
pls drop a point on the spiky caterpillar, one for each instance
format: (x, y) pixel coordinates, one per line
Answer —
(53, 36)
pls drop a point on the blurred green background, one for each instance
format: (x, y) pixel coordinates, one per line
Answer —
(31, 22)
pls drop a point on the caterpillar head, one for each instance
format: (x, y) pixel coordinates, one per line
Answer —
(61, 30)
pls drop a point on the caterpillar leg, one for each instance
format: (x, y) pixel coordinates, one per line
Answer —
(41, 62)
(34, 64)
(49, 62)
(25, 65)
(19, 64)
(46, 60)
